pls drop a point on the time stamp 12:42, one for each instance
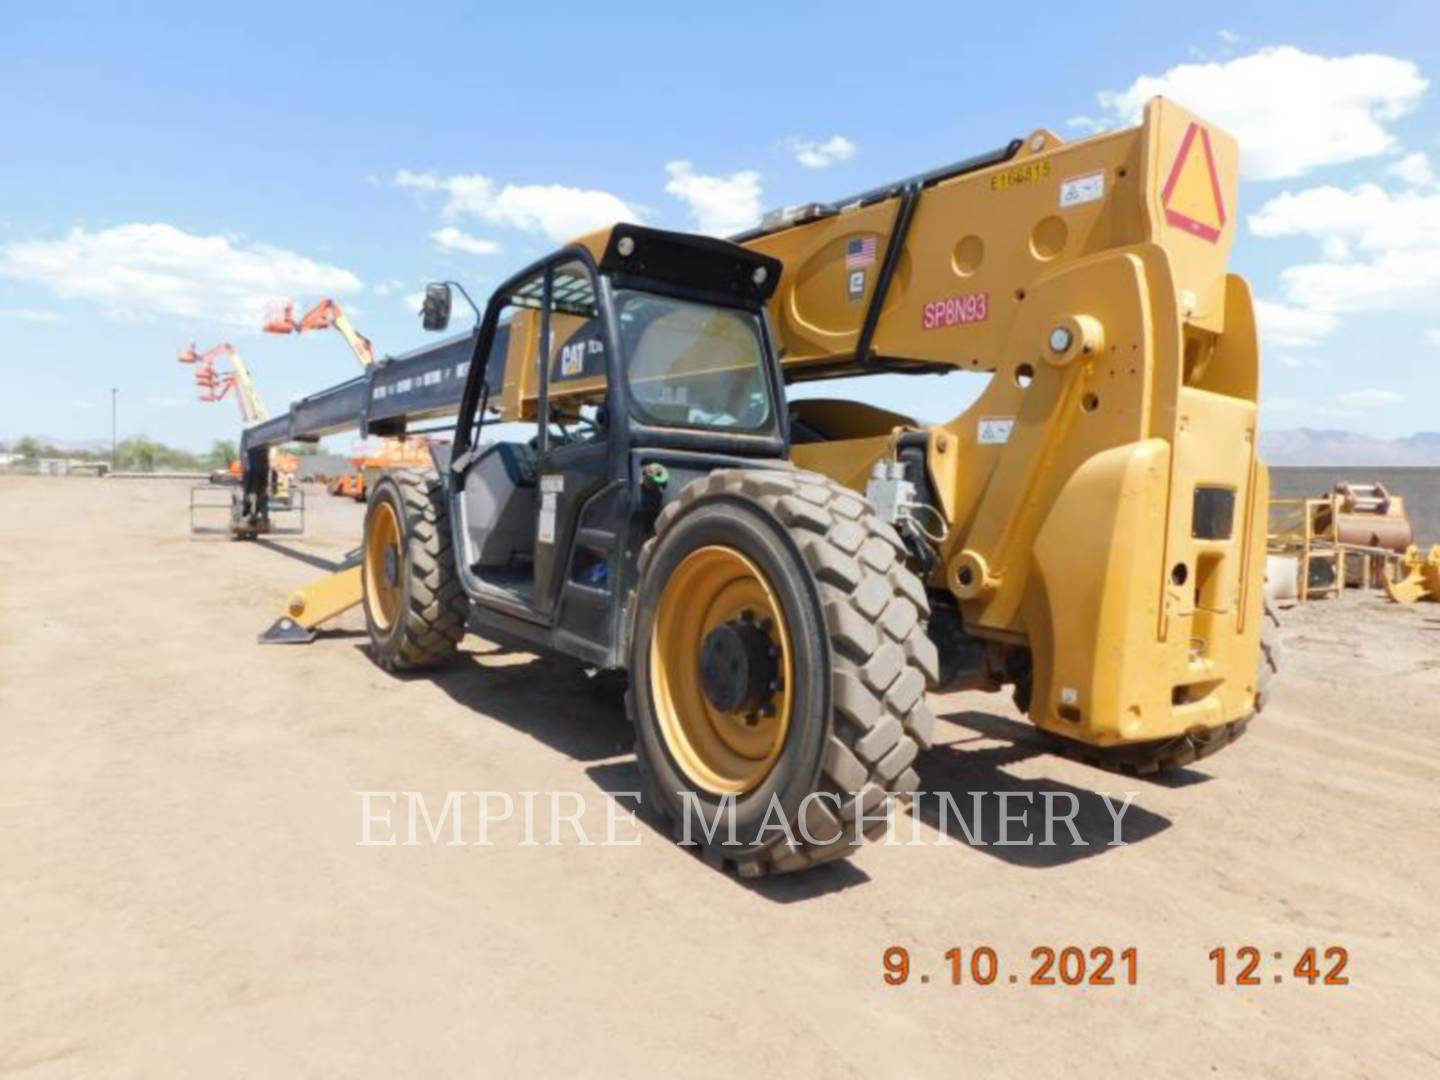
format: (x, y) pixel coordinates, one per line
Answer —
(1101, 965)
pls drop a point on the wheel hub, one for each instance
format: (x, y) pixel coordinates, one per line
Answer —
(721, 670)
(739, 666)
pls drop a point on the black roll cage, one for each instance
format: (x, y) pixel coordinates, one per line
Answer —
(625, 430)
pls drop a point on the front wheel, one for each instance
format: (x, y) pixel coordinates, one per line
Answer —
(415, 609)
(779, 663)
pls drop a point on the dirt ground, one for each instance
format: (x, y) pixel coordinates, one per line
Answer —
(182, 891)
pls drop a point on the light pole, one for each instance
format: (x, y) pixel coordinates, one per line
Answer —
(114, 441)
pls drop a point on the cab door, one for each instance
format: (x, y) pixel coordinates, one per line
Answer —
(573, 454)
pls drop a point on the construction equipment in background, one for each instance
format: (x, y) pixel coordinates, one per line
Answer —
(409, 452)
(394, 453)
(1305, 559)
(326, 315)
(215, 385)
(1352, 537)
(1417, 577)
(349, 485)
(284, 498)
(1091, 531)
(1368, 516)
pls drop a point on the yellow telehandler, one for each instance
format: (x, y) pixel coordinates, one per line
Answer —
(781, 582)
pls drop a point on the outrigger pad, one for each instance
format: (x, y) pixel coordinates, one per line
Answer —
(286, 631)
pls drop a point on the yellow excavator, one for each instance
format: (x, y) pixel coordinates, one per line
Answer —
(781, 581)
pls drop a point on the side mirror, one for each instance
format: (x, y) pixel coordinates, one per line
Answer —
(435, 313)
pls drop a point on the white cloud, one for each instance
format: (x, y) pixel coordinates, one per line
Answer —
(1394, 281)
(1414, 169)
(1433, 336)
(821, 155)
(413, 302)
(385, 288)
(29, 314)
(1278, 404)
(1381, 249)
(1292, 327)
(452, 239)
(1091, 125)
(1291, 111)
(1292, 361)
(1367, 215)
(1368, 398)
(719, 205)
(141, 271)
(556, 211)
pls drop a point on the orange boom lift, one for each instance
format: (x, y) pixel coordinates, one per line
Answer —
(394, 453)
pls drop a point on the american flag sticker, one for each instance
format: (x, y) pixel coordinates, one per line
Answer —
(860, 252)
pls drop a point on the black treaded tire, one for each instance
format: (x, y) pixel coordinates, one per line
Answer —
(433, 608)
(1144, 759)
(863, 661)
(1269, 655)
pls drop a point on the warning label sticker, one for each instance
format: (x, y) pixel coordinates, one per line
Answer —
(995, 430)
(1082, 189)
(1191, 196)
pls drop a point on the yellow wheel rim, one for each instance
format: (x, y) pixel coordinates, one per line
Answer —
(721, 751)
(384, 568)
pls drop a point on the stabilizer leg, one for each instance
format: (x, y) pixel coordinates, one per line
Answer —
(315, 603)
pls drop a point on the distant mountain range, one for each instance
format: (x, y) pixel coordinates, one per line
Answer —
(1313, 446)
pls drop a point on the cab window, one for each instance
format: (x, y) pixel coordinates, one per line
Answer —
(694, 365)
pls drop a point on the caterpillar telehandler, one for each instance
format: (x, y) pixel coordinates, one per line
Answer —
(781, 583)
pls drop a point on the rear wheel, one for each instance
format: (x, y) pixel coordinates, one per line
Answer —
(1144, 758)
(415, 609)
(779, 663)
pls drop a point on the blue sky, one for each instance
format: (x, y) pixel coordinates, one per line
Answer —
(167, 168)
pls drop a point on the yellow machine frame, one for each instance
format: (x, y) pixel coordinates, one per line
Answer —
(1090, 280)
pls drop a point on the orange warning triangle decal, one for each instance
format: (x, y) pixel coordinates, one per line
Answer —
(1192, 194)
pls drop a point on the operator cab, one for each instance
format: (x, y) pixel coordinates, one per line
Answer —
(626, 348)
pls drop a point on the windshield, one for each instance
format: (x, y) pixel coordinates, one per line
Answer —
(694, 365)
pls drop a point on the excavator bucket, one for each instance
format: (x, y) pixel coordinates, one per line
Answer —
(1419, 577)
